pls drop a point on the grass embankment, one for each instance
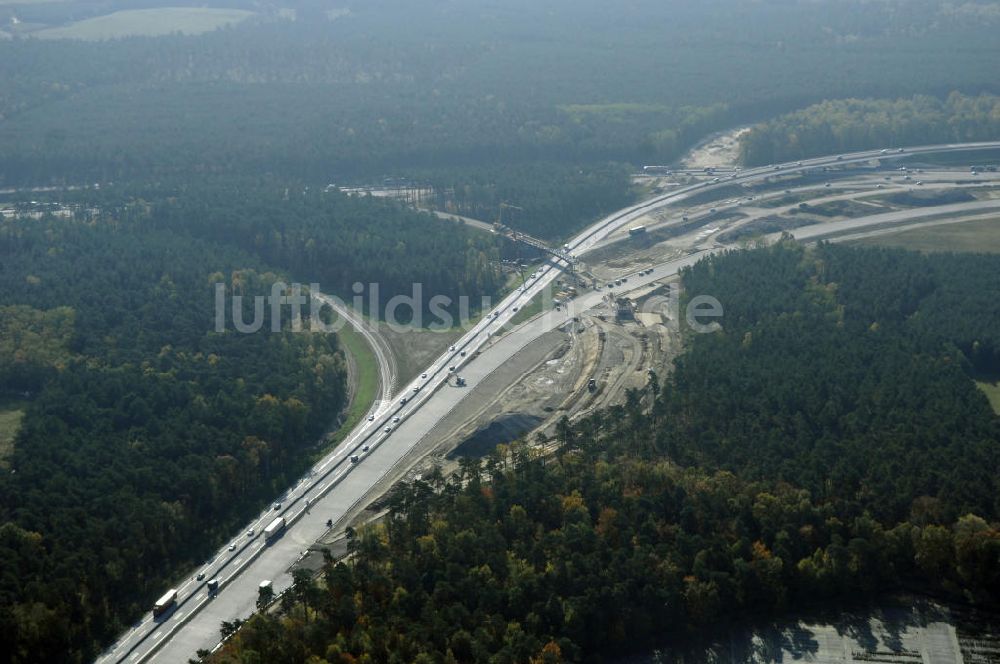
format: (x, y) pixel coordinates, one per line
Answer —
(992, 391)
(535, 306)
(366, 382)
(11, 413)
(980, 236)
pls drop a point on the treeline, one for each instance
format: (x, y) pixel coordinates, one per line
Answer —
(336, 240)
(149, 435)
(550, 200)
(864, 124)
(394, 87)
(826, 445)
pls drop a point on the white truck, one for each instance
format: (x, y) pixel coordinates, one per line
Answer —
(274, 528)
(164, 603)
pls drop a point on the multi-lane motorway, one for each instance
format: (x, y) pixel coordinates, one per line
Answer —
(337, 483)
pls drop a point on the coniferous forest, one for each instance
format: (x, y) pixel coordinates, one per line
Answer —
(846, 125)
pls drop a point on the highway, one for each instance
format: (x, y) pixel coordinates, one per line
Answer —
(336, 484)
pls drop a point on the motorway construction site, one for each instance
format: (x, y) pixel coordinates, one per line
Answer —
(635, 331)
(579, 329)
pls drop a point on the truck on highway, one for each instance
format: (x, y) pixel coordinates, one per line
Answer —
(164, 603)
(213, 586)
(274, 528)
(637, 231)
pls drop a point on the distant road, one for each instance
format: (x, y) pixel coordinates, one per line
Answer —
(336, 484)
(468, 221)
(895, 219)
(388, 371)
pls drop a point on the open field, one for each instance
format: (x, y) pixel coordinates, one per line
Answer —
(11, 413)
(148, 22)
(414, 348)
(982, 236)
(992, 391)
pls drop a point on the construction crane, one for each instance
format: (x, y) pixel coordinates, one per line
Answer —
(500, 228)
(498, 225)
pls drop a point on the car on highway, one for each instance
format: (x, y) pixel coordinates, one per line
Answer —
(395, 419)
(232, 547)
(403, 401)
(451, 368)
(201, 575)
(416, 389)
(250, 533)
(462, 354)
(424, 376)
(277, 506)
(827, 184)
(365, 448)
(514, 309)
(452, 349)
(355, 458)
(387, 429)
(371, 418)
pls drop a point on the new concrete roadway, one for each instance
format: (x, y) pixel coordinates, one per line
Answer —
(338, 483)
